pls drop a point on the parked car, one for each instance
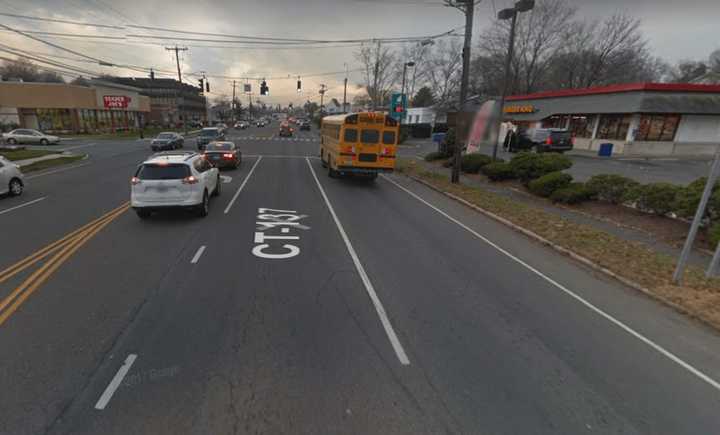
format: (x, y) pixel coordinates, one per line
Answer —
(29, 136)
(209, 134)
(304, 125)
(260, 123)
(551, 139)
(174, 179)
(241, 125)
(223, 154)
(222, 126)
(167, 141)
(285, 130)
(12, 181)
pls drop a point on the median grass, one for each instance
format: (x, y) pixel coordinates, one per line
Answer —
(45, 164)
(22, 154)
(698, 296)
(129, 134)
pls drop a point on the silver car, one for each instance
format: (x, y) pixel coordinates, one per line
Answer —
(27, 135)
(12, 180)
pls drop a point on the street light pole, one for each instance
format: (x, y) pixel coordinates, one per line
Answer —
(469, 14)
(402, 93)
(511, 14)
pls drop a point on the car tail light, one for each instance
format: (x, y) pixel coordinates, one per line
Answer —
(190, 180)
(134, 181)
(548, 141)
(228, 156)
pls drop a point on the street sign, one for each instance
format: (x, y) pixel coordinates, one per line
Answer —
(398, 106)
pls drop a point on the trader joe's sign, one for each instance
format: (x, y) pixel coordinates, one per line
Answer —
(116, 101)
(520, 109)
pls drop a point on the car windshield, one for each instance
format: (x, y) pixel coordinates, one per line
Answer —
(162, 172)
(219, 147)
(165, 136)
(209, 133)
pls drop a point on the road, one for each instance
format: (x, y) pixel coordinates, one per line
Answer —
(402, 312)
(681, 171)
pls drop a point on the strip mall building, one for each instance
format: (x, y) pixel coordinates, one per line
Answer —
(638, 119)
(64, 108)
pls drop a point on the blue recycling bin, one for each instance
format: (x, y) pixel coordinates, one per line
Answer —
(605, 150)
(438, 137)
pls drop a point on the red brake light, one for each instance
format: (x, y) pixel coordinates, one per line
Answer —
(134, 181)
(190, 180)
(548, 141)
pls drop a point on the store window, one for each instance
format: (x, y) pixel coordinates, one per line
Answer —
(582, 125)
(50, 120)
(614, 127)
(657, 128)
(555, 121)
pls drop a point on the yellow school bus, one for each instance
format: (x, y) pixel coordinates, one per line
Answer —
(359, 143)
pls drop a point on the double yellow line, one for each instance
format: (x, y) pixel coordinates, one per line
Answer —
(58, 251)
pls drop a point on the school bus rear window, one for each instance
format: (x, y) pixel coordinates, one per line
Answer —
(350, 135)
(370, 136)
(389, 137)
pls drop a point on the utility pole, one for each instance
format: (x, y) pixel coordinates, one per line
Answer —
(469, 15)
(177, 51)
(345, 90)
(233, 103)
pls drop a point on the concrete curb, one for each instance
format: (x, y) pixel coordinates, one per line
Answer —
(577, 257)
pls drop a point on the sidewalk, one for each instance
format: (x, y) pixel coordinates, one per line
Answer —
(698, 258)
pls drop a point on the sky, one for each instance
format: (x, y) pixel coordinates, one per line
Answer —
(675, 30)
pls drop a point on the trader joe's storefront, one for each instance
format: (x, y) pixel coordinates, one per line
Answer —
(649, 119)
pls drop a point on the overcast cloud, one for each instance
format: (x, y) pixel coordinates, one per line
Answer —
(675, 30)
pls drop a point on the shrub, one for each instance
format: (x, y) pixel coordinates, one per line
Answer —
(657, 198)
(688, 200)
(435, 155)
(530, 166)
(498, 171)
(549, 183)
(610, 187)
(448, 144)
(471, 163)
(714, 234)
(404, 134)
(574, 193)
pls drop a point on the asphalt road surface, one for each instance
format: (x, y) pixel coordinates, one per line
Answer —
(309, 305)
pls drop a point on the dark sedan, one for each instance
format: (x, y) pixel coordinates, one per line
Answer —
(167, 142)
(209, 134)
(223, 155)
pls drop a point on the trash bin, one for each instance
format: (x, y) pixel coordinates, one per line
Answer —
(438, 137)
(605, 149)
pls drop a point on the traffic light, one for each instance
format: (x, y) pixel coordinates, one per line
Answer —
(152, 74)
(207, 86)
(299, 86)
(202, 86)
(264, 89)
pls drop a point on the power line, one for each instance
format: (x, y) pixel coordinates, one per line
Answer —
(53, 20)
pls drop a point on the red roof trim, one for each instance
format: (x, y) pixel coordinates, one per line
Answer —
(613, 89)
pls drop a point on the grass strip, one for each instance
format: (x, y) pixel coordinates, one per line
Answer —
(698, 296)
(50, 163)
(23, 154)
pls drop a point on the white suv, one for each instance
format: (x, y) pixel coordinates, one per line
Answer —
(174, 180)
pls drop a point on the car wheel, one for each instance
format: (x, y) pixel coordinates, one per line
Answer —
(216, 192)
(332, 173)
(12, 141)
(204, 207)
(44, 142)
(142, 213)
(15, 187)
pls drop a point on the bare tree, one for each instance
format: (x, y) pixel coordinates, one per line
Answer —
(441, 71)
(379, 72)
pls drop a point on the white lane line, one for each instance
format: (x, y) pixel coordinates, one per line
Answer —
(8, 210)
(198, 254)
(79, 146)
(394, 341)
(232, 201)
(42, 174)
(671, 356)
(115, 383)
